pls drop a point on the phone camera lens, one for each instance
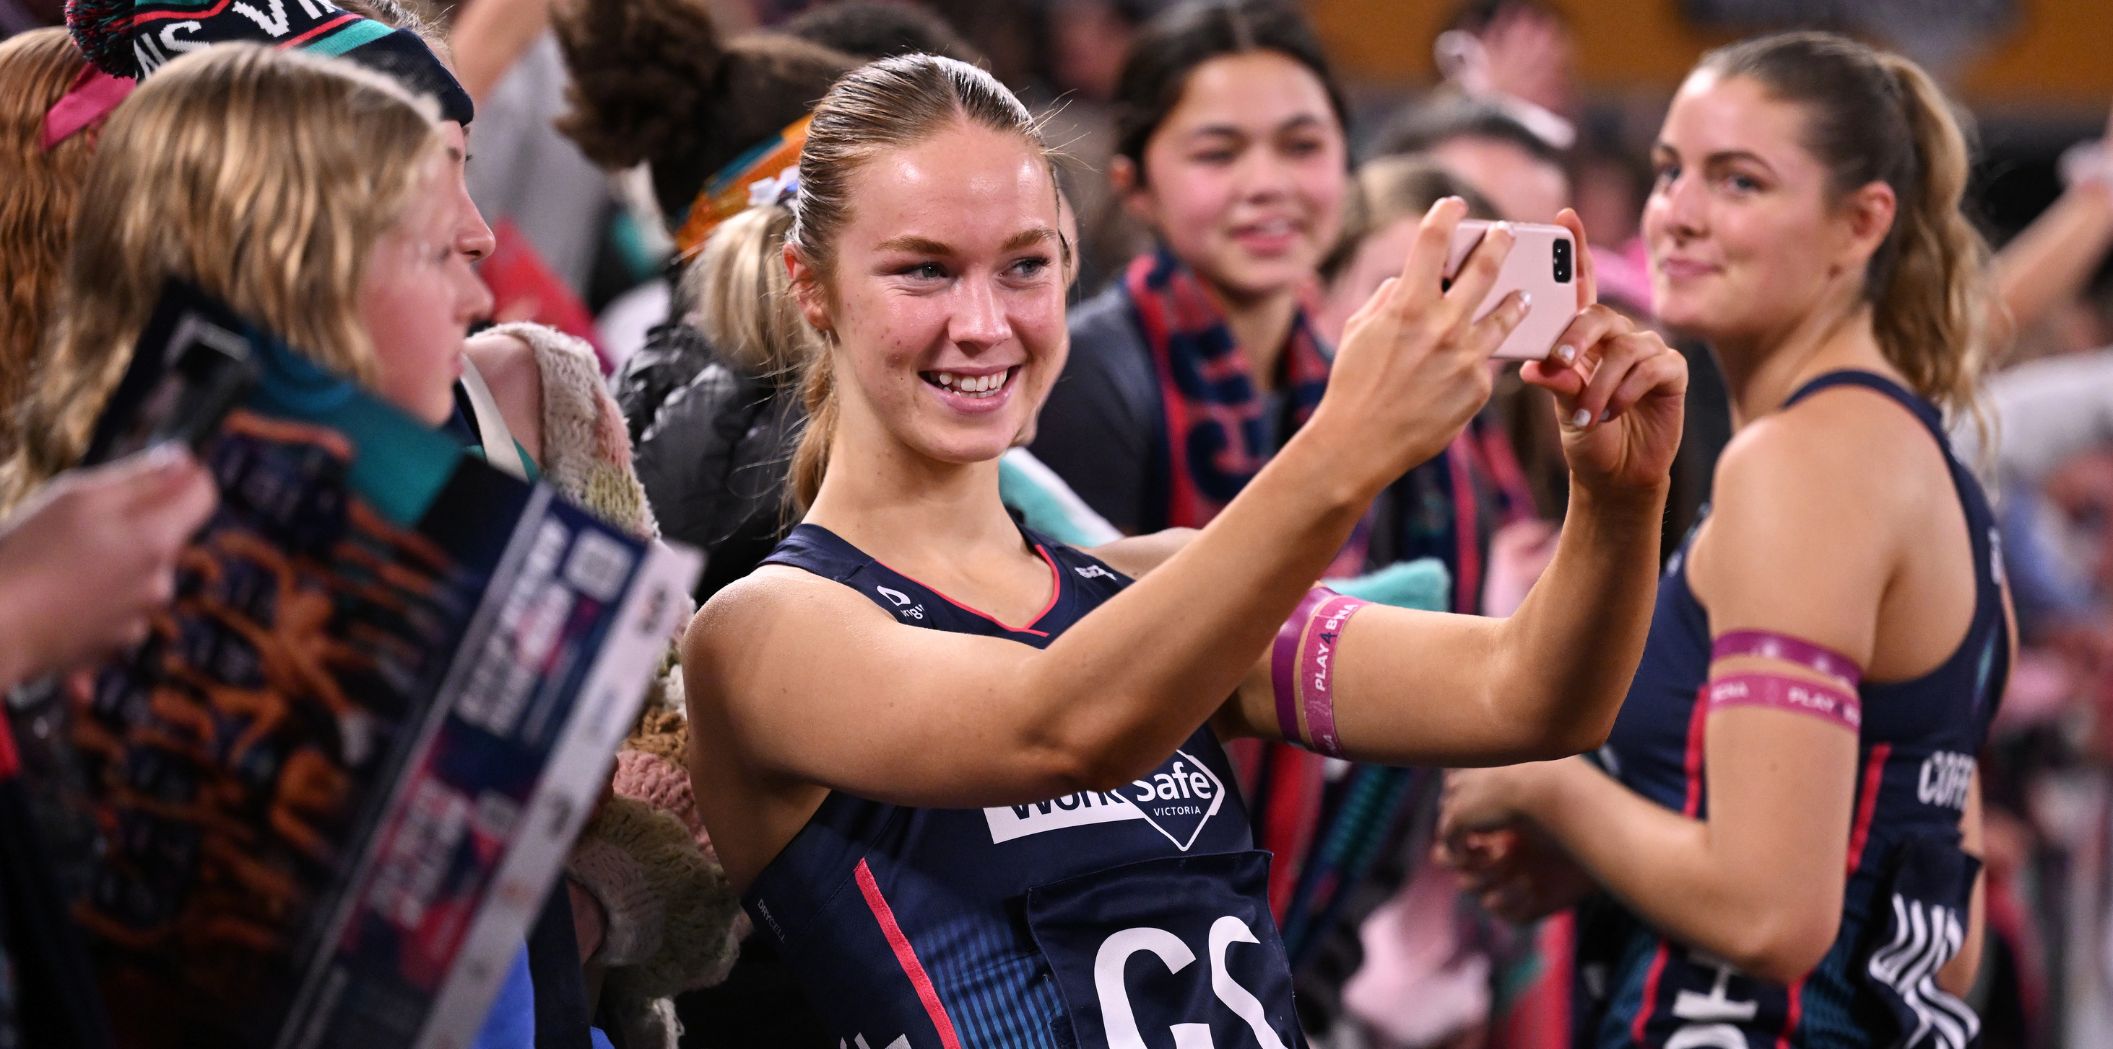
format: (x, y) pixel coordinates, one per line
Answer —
(1562, 261)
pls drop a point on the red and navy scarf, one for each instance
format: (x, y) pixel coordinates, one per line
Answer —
(1217, 436)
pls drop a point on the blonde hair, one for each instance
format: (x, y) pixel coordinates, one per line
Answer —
(1873, 116)
(397, 15)
(265, 178)
(37, 199)
(740, 295)
(894, 103)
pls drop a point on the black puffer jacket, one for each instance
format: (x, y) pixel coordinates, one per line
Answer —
(712, 444)
(672, 356)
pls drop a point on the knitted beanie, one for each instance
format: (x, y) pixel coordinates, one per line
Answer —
(133, 38)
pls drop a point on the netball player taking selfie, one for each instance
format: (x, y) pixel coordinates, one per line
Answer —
(971, 780)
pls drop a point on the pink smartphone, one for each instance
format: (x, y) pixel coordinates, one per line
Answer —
(1542, 263)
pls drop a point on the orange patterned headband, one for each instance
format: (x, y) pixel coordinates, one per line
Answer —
(759, 176)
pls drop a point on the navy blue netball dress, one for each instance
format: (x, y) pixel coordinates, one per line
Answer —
(1103, 920)
(1908, 879)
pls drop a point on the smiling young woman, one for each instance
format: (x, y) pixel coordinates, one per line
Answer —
(931, 746)
(1231, 149)
(1785, 824)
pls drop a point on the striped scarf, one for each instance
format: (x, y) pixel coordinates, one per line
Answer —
(1217, 435)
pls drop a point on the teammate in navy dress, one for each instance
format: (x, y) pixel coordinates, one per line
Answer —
(1786, 820)
(969, 780)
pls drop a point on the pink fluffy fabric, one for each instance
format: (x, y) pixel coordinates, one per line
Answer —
(660, 783)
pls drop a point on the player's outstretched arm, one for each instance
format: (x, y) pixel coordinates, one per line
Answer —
(1429, 688)
(801, 680)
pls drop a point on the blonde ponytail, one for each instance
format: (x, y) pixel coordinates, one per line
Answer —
(810, 458)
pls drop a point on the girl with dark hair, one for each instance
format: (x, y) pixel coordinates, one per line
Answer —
(1231, 146)
(1780, 838)
(1016, 826)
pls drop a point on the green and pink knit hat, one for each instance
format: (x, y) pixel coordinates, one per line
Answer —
(133, 38)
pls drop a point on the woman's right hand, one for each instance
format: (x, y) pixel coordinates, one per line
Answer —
(1515, 873)
(1413, 366)
(91, 555)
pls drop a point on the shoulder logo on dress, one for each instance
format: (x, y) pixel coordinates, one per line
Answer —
(1093, 572)
(904, 605)
(1177, 800)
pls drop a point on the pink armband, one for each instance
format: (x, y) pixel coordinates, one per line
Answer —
(1764, 644)
(1825, 701)
(1302, 669)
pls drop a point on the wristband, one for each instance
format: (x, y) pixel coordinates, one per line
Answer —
(1302, 669)
(1799, 696)
(1765, 644)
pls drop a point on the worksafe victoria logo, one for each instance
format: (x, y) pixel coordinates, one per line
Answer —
(1177, 800)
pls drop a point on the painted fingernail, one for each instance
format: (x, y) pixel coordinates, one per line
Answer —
(1582, 419)
(1525, 300)
(1606, 415)
(1501, 227)
(1567, 353)
(166, 457)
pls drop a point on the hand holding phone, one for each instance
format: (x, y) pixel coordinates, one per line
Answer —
(1413, 364)
(1619, 391)
(1543, 265)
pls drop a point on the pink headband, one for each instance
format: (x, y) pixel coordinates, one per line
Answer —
(91, 98)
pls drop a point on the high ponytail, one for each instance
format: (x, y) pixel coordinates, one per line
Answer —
(1873, 116)
(737, 293)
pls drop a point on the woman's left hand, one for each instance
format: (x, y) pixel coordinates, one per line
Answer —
(1619, 391)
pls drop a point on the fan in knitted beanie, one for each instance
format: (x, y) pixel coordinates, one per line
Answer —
(133, 38)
